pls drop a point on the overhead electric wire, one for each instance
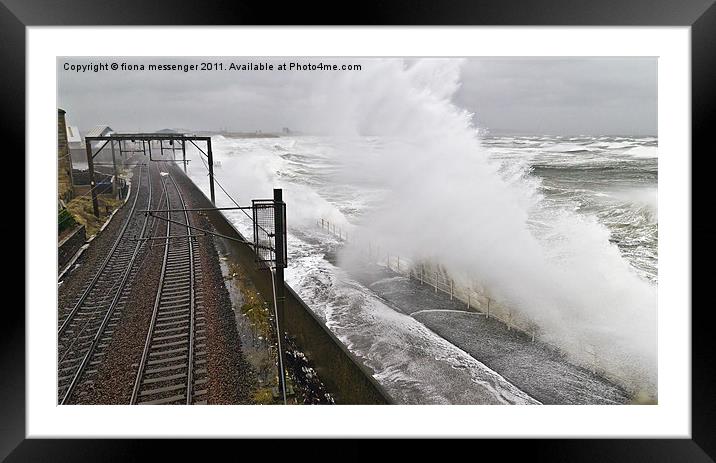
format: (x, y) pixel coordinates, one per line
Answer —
(206, 166)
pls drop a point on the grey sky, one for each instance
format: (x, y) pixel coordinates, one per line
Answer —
(561, 96)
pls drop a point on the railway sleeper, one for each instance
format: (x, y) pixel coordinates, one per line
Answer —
(161, 390)
(182, 285)
(170, 330)
(169, 344)
(154, 371)
(166, 325)
(164, 354)
(170, 311)
(161, 379)
(166, 400)
(171, 336)
(176, 295)
(183, 318)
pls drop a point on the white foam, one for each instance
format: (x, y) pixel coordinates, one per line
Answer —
(643, 152)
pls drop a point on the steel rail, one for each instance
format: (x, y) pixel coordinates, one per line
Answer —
(154, 385)
(155, 311)
(190, 374)
(110, 311)
(106, 261)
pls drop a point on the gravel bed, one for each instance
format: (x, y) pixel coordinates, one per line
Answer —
(115, 377)
(230, 378)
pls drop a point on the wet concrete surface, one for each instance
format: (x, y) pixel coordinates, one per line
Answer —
(254, 324)
(534, 367)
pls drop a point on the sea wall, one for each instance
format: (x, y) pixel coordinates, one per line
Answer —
(345, 376)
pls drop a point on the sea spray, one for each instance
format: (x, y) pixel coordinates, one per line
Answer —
(446, 202)
(438, 197)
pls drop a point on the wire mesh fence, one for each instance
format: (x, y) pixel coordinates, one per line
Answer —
(263, 223)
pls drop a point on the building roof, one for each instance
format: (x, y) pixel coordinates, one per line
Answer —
(73, 134)
(98, 131)
(167, 131)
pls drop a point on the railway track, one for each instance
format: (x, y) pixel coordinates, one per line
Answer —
(86, 328)
(172, 369)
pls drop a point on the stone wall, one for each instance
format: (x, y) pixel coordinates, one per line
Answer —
(70, 245)
(64, 160)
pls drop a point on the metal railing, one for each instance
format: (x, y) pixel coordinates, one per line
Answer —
(436, 277)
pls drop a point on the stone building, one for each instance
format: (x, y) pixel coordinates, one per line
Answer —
(64, 160)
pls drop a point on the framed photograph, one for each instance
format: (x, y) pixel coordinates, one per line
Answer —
(407, 218)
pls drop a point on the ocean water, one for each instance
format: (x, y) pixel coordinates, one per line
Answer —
(587, 214)
(613, 179)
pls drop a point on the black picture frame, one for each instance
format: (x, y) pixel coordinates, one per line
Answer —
(700, 15)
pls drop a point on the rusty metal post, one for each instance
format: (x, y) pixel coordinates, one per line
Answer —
(211, 170)
(90, 167)
(116, 174)
(280, 285)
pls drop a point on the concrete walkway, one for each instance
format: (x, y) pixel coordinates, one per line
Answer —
(534, 367)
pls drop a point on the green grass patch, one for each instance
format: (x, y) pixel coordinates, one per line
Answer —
(83, 214)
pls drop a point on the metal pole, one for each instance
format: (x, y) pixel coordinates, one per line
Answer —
(116, 174)
(90, 166)
(183, 153)
(280, 288)
(211, 170)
